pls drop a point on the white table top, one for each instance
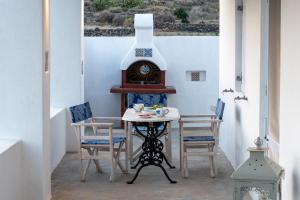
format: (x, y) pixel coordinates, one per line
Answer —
(131, 116)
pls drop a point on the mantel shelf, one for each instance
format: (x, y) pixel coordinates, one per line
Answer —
(166, 90)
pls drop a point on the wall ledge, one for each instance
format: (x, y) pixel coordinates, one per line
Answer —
(54, 111)
(6, 144)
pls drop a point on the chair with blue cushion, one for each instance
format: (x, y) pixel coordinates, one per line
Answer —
(200, 132)
(93, 142)
(148, 100)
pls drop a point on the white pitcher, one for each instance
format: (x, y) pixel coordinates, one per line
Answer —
(161, 112)
(138, 107)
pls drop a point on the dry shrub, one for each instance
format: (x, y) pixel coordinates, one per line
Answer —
(164, 18)
(200, 13)
(118, 20)
(105, 17)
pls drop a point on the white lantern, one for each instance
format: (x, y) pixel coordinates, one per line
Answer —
(259, 174)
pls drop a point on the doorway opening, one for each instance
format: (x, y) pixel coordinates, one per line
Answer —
(271, 20)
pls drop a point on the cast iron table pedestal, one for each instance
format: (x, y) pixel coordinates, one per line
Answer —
(152, 148)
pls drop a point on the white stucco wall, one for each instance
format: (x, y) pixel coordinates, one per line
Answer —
(103, 56)
(290, 98)
(241, 121)
(66, 59)
(57, 135)
(24, 94)
(227, 77)
(10, 169)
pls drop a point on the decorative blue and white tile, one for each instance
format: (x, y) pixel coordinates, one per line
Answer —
(148, 52)
(143, 52)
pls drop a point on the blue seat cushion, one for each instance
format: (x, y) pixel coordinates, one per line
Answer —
(144, 128)
(116, 140)
(198, 139)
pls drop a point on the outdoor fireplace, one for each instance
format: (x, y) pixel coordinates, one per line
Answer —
(143, 74)
(143, 68)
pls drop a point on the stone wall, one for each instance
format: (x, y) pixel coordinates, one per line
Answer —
(162, 27)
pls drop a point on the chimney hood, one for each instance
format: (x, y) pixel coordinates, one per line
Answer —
(143, 48)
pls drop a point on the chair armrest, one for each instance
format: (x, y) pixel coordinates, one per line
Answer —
(99, 125)
(197, 116)
(108, 118)
(200, 121)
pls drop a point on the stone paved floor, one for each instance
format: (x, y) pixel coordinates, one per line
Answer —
(150, 185)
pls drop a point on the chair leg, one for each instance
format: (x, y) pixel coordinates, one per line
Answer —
(112, 163)
(98, 168)
(83, 173)
(115, 161)
(212, 163)
(112, 170)
(181, 157)
(117, 158)
(130, 148)
(184, 163)
(186, 173)
(181, 144)
(127, 142)
(136, 154)
(121, 167)
(81, 165)
(168, 143)
(215, 150)
(212, 170)
(92, 152)
(81, 170)
(126, 158)
(182, 170)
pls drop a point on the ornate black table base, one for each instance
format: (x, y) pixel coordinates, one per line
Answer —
(152, 149)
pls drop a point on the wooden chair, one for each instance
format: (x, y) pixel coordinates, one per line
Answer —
(200, 132)
(97, 141)
(148, 100)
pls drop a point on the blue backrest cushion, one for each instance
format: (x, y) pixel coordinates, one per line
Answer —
(220, 109)
(147, 99)
(81, 112)
(217, 107)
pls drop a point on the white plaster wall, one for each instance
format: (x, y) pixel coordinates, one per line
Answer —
(227, 77)
(10, 169)
(241, 121)
(57, 135)
(290, 98)
(66, 59)
(24, 104)
(103, 56)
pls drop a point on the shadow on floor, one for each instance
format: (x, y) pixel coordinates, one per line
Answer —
(150, 185)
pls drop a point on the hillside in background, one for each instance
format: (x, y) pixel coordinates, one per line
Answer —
(171, 17)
